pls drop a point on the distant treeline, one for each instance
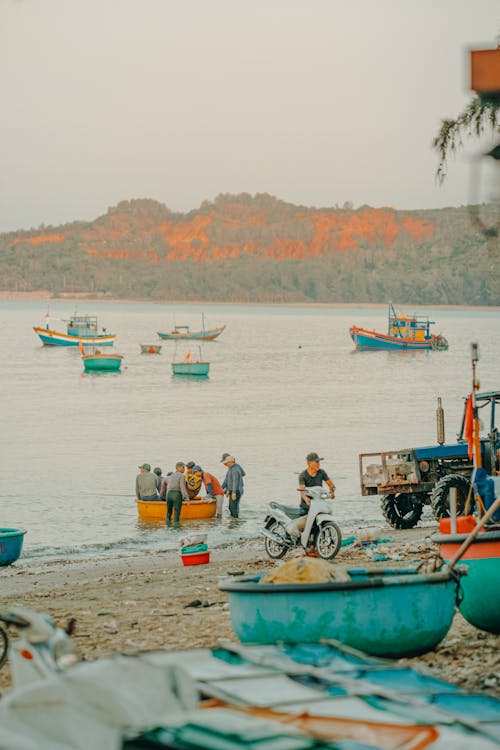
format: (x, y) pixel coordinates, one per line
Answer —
(260, 249)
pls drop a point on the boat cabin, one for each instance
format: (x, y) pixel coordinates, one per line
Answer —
(82, 325)
(416, 327)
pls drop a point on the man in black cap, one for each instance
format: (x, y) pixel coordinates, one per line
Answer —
(145, 484)
(313, 476)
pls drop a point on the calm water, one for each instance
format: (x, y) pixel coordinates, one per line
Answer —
(283, 382)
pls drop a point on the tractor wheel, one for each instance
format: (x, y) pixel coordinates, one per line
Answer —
(402, 511)
(440, 501)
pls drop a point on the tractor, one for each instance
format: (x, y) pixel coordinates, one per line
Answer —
(407, 480)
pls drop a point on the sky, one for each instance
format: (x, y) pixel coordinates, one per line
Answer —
(317, 102)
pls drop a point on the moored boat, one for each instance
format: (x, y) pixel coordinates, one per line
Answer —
(150, 348)
(80, 328)
(480, 603)
(156, 510)
(403, 332)
(191, 368)
(180, 333)
(99, 362)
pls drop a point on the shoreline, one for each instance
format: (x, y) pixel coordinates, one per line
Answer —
(45, 296)
(142, 602)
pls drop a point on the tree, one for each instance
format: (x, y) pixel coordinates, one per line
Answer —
(477, 118)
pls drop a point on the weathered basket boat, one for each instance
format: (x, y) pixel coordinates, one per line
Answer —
(150, 348)
(11, 544)
(390, 612)
(200, 369)
(156, 510)
(100, 362)
(480, 604)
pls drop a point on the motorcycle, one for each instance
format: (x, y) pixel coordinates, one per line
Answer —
(42, 648)
(282, 532)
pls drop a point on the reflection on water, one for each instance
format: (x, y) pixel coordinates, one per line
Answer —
(283, 382)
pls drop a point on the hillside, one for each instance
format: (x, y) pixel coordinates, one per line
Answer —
(258, 248)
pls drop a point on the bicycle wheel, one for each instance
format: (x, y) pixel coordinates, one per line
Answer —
(4, 646)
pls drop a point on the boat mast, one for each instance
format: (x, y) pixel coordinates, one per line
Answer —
(395, 318)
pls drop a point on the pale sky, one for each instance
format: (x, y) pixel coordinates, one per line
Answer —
(315, 101)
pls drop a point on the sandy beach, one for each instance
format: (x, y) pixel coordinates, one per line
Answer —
(130, 604)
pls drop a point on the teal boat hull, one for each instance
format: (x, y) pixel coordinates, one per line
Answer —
(393, 613)
(11, 544)
(191, 368)
(480, 603)
(102, 363)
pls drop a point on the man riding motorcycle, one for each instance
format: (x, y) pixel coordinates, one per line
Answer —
(312, 476)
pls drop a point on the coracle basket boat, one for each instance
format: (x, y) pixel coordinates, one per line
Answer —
(156, 510)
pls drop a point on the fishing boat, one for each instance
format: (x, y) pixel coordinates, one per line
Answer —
(150, 348)
(96, 361)
(410, 332)
(388, 611)
(82, 328)
(180, 333)
(156, 510)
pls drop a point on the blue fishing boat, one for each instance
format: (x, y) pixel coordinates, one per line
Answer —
(183, 333)
(407, 332)
(82, 328)
(390, 612)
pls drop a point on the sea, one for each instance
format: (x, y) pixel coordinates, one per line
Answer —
(283, 381)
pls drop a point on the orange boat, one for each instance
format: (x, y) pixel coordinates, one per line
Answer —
(156, 510)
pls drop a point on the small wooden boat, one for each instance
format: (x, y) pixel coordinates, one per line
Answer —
(410, 333)
(390, 612)
(80, 328)
(11, 543)
(99, 362)
(180, 333)
(156, 510)
(480, 604)
(150, 348)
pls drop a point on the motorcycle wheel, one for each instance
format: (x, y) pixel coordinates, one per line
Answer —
(275, 550)
(328, 541)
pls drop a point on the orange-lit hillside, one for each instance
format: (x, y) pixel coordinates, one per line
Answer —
(235, 230)
(258, 248)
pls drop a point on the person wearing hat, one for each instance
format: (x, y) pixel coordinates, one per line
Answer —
(145, 484)
(233, 484)
(176, 492)
(313, 476)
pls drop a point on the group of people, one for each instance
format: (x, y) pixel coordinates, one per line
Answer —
(186, 483)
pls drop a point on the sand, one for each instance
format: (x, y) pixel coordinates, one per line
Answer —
(130, 604)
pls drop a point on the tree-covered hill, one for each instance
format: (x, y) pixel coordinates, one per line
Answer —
(258, 248)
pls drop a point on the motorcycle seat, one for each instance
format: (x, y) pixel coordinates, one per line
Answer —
(291, 511)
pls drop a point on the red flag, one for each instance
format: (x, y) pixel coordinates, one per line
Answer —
(469, 425)
(80, 346)
(188, 356)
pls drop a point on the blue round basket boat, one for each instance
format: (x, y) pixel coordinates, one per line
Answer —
(391, 612)
(11, 544)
